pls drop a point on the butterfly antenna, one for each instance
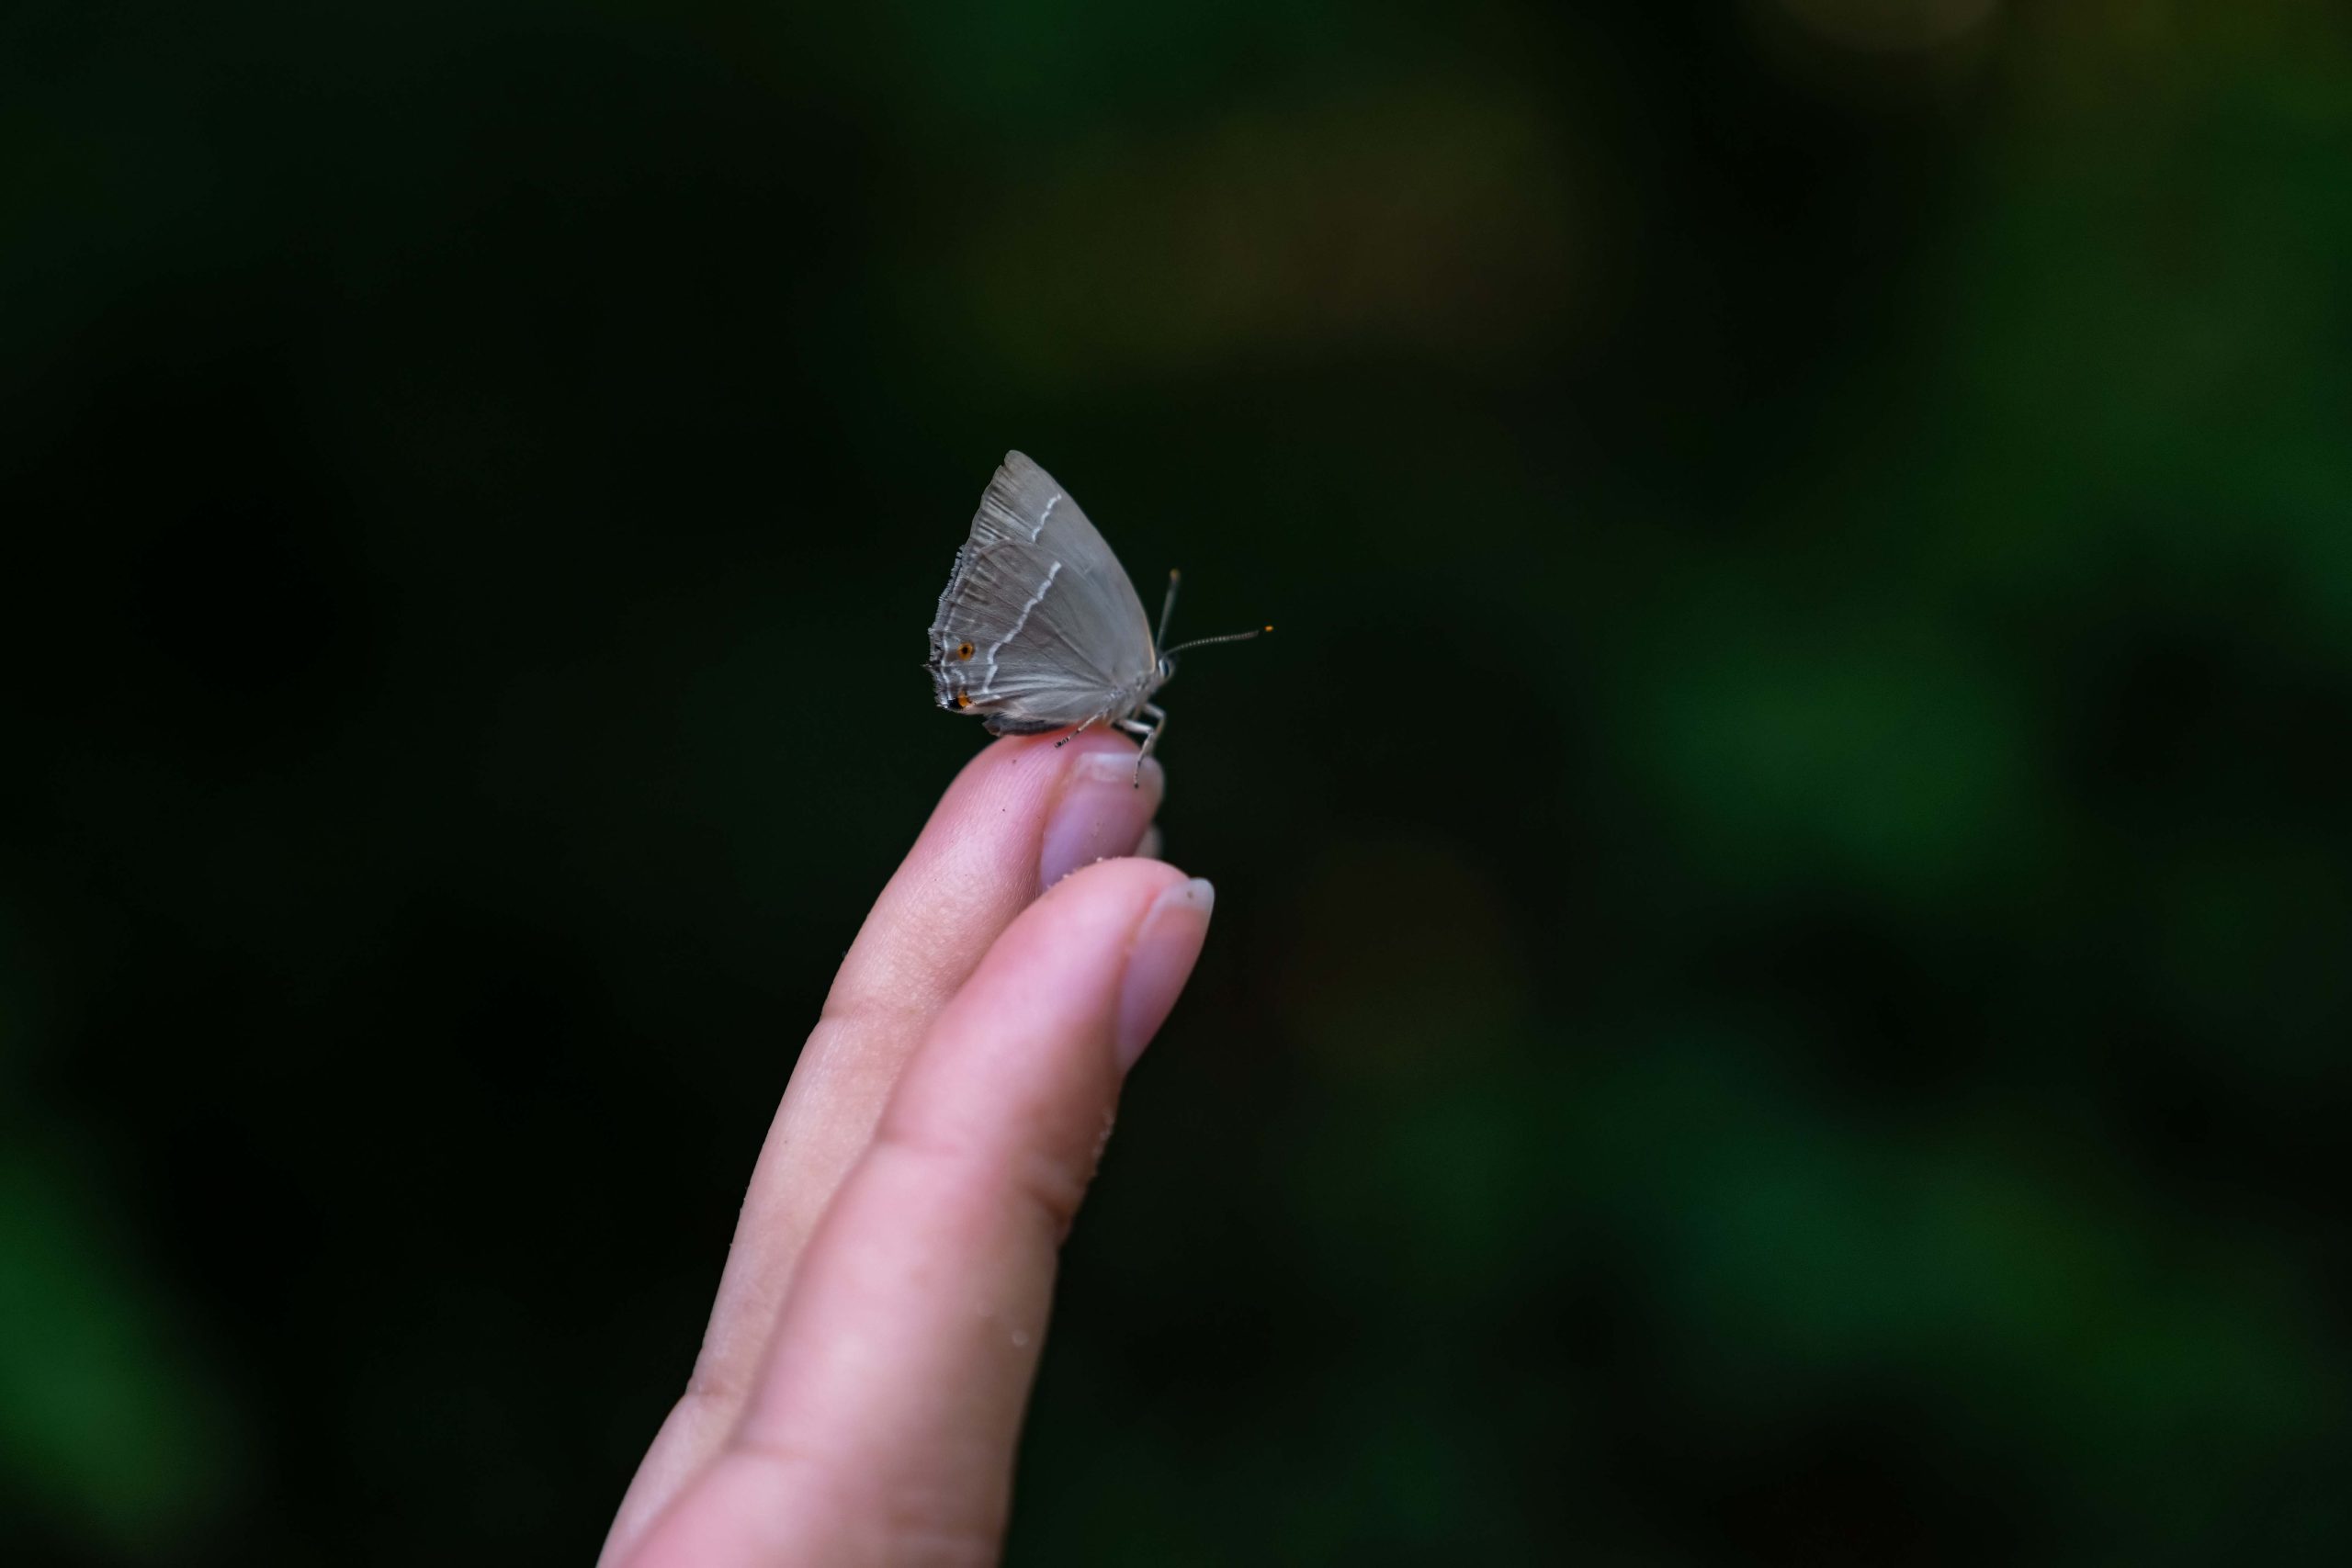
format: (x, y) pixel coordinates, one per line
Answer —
(1166, 608)
(1207, 641)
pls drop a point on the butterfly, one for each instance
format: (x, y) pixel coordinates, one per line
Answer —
(1039, 627)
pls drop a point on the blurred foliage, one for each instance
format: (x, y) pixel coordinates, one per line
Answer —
(1781, 986)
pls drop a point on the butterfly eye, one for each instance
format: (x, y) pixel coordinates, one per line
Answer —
(963, 699)
(965, 651)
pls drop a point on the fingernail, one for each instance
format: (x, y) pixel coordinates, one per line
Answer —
(1103, 811)
(1159, 963)
(1150, 845)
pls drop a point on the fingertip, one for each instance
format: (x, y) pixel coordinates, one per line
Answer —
(1058, 969)
(1107, 799)
(1118, 887)
(1167, 945)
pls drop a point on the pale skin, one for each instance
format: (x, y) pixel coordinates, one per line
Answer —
(862, 1380)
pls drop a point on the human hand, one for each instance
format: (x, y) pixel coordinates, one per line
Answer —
(862, 1377)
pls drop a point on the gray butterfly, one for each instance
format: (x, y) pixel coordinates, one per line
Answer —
(1039, 627)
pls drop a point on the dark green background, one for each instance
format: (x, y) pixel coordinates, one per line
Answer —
(1784, 947)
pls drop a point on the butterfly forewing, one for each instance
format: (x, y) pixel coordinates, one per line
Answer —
(1039, 624)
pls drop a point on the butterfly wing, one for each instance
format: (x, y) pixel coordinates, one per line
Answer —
(1039, 627)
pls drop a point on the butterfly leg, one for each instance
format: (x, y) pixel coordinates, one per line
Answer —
(1158, 718)
(1076, 733)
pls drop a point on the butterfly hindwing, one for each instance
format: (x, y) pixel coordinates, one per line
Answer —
(1039, 625)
